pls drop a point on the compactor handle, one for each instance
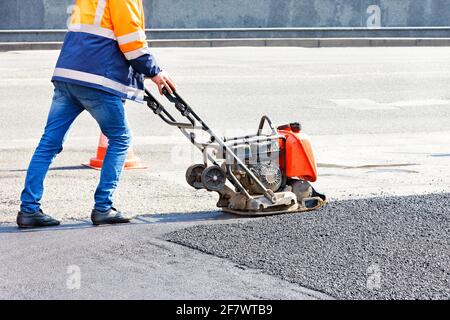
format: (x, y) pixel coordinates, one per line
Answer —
(263, 121)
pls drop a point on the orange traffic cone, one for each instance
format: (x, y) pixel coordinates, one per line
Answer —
(96, 163)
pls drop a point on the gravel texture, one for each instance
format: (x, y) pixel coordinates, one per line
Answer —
(378, 248)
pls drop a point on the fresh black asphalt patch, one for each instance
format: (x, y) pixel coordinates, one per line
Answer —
(378, 248)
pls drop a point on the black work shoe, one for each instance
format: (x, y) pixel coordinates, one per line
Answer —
(35, 220)
(112, 216)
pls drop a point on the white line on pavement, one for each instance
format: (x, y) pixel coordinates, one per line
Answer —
(368, 104)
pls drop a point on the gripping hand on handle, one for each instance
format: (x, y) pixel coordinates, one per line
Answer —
(163, 80)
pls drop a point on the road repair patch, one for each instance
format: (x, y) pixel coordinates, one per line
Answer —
(377, 248)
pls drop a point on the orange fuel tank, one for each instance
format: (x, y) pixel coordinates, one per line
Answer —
(300, 162)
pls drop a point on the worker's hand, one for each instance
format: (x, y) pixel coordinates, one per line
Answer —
(163, 80)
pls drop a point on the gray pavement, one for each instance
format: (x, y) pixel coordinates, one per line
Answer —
(128, 262)
(378, 248)
(378, 118)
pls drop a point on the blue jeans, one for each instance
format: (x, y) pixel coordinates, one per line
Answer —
(69, 101)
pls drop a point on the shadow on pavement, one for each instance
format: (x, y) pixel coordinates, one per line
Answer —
(12, 228)
(185, 217)
(140, 220)
(439, 155)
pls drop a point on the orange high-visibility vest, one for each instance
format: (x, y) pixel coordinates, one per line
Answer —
(106, 48)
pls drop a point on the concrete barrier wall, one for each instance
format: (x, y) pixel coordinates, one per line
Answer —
(53, 14)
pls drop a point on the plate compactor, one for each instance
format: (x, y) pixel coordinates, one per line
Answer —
(259, 174)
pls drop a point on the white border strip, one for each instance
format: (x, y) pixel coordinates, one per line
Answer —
(99, 12)
(136, 53)
(131, 37)
(92, 29)
(132, 93)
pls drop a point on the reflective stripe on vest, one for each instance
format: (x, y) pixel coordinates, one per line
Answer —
(133, 44)
(92, 29)
(132, 93)
(99, 12)
(106, 46)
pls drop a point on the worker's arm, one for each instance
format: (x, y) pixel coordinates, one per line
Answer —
(129, 30)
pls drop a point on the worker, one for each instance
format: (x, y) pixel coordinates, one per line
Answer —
(104, 61)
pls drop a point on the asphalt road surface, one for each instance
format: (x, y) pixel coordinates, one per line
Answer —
(378, 119)
(79, 261)
(377, 248)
